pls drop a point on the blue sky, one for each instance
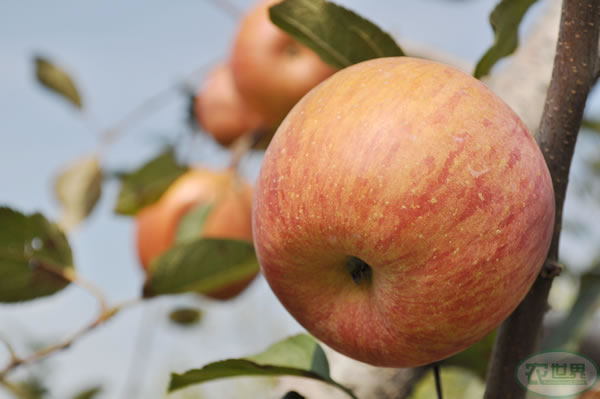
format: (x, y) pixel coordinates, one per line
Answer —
(120, 53)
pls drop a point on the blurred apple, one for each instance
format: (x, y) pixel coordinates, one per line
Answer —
(220, 110)
(402, 211)
(229, 216)
(271, 69)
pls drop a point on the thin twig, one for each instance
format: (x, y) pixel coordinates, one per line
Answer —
(438, 381)
(9, 348)
(228, 7)
(44, 352)
(572, 78)
(73, 277)
(149, 105)
(92, 289)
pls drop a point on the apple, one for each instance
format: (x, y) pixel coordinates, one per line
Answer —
(220, 110)
(402, 211)
(271, 69)
(230, 216)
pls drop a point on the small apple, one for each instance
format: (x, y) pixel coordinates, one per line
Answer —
(271, 69)
(229, 217)
(402, 211)
(220, 110)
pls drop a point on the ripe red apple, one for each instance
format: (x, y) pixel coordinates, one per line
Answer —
(402, 211)
(271, 69)
(230, 216)
(220, 110)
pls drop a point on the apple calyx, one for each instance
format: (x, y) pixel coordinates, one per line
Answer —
(358, 269)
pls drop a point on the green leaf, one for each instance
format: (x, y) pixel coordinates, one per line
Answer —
(78, 189)
(299, 356)
(145, 186)
(34, 255)
(57, 80)
(571, 329)
(202, 266)
(505, 21)
(192, 223)
(185, 317)
(339, 36)
(476, 357)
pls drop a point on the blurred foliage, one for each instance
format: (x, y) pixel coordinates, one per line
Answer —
(185, 317)
(568, 334)
(339, 36)
(201, 266)
(34, 253)
(78, 189)
(192, 223)
(89, 393)
(31, 388)
(57, 80)
(145, 185)
(505, 21)
(476, 357)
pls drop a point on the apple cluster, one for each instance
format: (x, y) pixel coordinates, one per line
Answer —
(267, 73)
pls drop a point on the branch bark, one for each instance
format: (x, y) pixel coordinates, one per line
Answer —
(573, 76)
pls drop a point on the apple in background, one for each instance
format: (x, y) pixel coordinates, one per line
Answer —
(230, 216)
(220, 110)
(271, 69)
(402, 211)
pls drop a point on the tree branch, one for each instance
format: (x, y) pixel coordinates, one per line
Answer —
(104, 313)
(573, 76)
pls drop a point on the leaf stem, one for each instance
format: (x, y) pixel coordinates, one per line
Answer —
(102, 317)
(243, 144)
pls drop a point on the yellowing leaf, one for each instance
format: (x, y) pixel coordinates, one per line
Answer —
(78, 189)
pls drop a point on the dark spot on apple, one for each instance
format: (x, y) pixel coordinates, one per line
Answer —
(358, 269)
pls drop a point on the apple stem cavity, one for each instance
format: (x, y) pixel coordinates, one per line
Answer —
(358, 269)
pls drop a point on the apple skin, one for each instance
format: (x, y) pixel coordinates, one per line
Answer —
(220, 110)
(272, 70)
(230, 216)
(425, 175)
